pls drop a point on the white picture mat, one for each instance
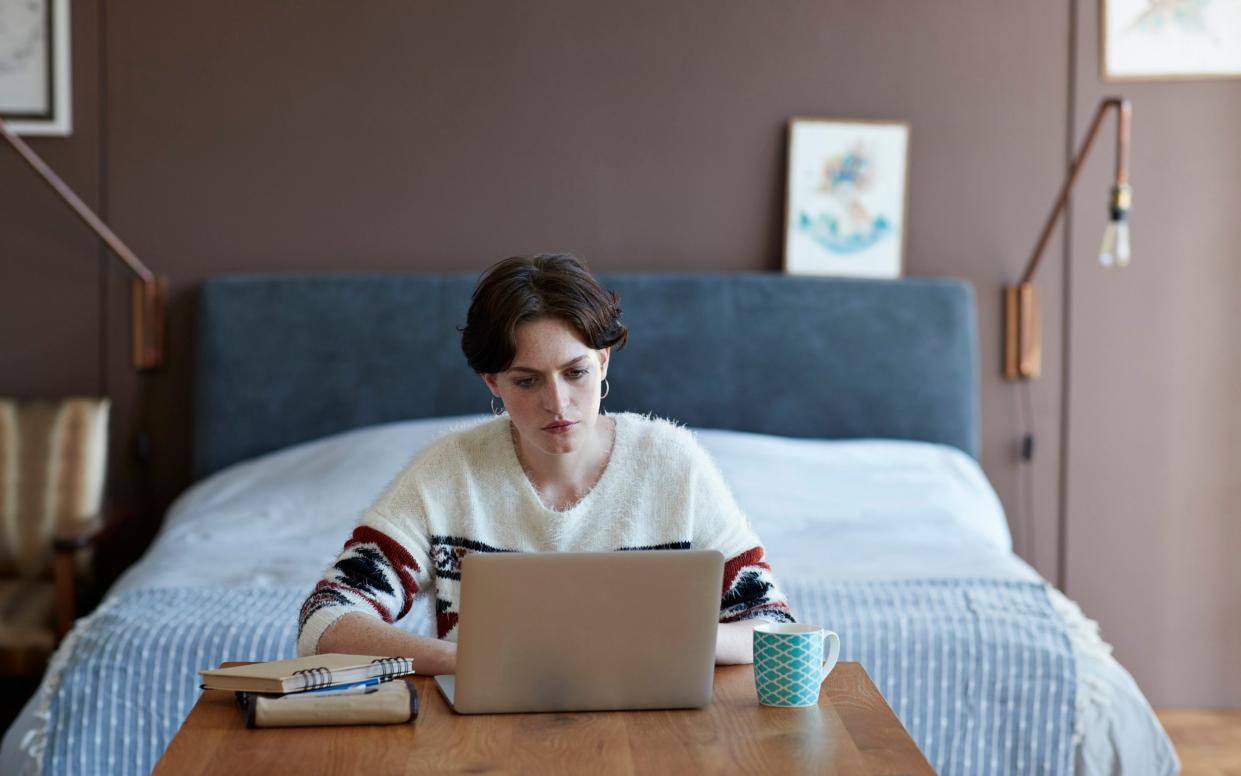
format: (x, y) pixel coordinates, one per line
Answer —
(24, 77)
(813, 143)
(1142, 42)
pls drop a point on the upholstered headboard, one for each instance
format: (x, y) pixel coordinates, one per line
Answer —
(284, 359)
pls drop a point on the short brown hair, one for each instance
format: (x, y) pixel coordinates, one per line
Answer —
(524, 288)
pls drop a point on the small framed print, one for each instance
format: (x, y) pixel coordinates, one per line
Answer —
(1165, 40)
(845, 205)
(34, 66)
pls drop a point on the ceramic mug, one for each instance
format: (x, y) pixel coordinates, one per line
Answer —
(789, 665)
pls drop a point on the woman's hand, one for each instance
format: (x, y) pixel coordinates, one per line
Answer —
(734, 644)
(361, 634)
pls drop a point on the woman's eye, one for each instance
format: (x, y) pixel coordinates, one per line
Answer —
(525, 382)
(577, 373)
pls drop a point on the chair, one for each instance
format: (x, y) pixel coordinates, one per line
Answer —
(52, 467)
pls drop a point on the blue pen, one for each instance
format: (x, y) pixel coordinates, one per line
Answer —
(356, 686)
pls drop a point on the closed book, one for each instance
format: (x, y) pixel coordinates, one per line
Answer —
(385, 704)
(305, 673)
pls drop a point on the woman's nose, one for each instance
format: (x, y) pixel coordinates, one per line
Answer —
(557, 396)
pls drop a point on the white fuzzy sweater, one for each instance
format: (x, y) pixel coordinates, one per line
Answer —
(467, 493)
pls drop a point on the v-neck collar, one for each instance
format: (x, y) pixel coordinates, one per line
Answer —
(533, 493)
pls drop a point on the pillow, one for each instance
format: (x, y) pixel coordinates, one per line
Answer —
(52, 461)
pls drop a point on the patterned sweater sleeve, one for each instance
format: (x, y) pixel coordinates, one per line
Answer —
(750, 590)
(381, 568)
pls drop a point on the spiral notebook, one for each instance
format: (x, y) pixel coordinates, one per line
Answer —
(305, 673)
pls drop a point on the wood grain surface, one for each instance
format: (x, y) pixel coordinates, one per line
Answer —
(1208, 741)
(851, 731)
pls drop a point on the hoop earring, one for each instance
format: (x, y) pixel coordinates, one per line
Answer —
(606, 389)
(494, 411)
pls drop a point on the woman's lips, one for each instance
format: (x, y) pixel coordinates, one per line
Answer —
(559, 428)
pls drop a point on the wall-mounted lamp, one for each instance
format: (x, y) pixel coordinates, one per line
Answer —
(1022, 346)
(149, 291)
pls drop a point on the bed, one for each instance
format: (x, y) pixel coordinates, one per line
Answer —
(843, 413)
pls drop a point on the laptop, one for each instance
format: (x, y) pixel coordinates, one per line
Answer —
(586, 631)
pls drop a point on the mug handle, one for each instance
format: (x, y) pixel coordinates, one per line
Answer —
(832, 655)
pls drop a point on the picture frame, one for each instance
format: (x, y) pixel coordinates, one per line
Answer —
(1158, 40)
(35, 61)
(846, 197)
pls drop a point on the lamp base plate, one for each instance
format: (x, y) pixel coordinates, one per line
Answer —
(1023, 351)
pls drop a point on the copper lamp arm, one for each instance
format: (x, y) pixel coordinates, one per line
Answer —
(1022, 356)
(1124, 110)
(149, 291)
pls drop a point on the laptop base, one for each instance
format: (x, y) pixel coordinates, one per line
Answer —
(448, 687)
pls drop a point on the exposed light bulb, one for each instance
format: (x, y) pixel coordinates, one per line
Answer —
(1107, 248)
(1122, 244)
(1114, 252)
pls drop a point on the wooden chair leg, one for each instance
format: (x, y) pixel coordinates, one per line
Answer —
(64, 573)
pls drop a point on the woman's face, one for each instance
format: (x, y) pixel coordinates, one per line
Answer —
(551, 391)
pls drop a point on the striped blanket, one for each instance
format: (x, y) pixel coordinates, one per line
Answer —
(979, 671)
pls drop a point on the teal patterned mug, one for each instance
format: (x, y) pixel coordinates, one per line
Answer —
(789, 665)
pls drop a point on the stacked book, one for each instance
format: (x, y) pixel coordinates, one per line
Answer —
(329, 689)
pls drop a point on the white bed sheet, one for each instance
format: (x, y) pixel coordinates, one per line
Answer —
(862, 509)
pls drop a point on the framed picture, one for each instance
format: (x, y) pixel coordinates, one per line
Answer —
(1163, 40)
(845, 206)
(34, 66)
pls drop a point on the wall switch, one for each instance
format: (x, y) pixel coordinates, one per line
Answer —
(1027, 447)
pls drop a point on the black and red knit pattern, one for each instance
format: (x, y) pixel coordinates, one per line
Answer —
(748, 588)
(447, 552)
(749, 591)
(374, 571)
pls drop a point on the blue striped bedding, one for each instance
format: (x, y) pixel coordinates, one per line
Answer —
(979, 671)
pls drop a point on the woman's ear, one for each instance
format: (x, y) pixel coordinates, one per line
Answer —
(605, 356)
(492, 384)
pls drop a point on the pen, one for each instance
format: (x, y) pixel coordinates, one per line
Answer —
(351, 688)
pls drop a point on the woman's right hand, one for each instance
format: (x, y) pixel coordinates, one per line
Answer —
(361, 634)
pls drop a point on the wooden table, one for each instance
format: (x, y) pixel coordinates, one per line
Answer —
(851, 731)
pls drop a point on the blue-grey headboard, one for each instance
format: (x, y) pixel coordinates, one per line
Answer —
(284, 359)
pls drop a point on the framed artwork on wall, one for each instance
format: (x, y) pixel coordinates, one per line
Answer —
(34, 66)
(846, 195)
(1164, 40)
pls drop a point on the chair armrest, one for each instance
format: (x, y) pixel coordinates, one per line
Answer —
(64, 568)
(91, 535)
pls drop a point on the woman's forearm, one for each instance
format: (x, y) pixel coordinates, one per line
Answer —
(734, 642)
(361, 634)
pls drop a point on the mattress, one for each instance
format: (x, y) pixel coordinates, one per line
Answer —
(842, 512)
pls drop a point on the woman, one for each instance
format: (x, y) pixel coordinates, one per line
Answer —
(550, 473)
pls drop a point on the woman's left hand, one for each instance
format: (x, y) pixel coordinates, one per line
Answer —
(735, 643)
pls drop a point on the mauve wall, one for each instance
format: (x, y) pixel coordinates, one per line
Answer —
(1154, 456)
(260, 136)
